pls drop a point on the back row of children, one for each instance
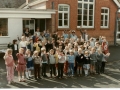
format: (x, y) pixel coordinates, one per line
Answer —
(62, 54)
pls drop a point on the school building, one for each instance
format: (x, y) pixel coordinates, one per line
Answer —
(98, 17)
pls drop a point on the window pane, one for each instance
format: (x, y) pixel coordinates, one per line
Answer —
(101, 23)
(60, 22)
(84, 23)
(85, 6)
(65, 16)
(90, 17)
(60, 15)
(60, 8)
(90, 12)
(3, 27)
(85, 0)
(85, 12)
(79, 5)
(85, 17)
(102, 17)
(65, 22)
(79, 0)
(79, 23)
(65, 8)
(79, 17)
(90, 6)
(106, 23)
(90, 23)
(27, 22)
(79, 11)
(102, 10)
(91, 0)
(106, 10)
(31, 21)
(106, 17)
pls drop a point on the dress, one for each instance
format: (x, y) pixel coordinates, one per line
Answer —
(29, 63)
(21, 66)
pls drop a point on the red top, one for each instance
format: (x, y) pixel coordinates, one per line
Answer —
(21, 59)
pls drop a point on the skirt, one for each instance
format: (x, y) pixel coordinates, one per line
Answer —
(30, 65)
(86, 66)
(21, 68)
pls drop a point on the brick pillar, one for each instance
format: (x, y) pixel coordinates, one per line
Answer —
(52, 22)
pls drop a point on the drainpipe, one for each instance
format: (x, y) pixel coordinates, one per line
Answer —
(115, 32)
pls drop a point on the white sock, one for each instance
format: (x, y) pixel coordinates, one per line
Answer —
(29, 73)
(85, 72)
(19, 78)
(22, 77)
(26, 73)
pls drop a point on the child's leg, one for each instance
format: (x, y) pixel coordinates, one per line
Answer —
(23, 79)
(54, 70)
(72, 68)
(12, 74)
(19, 77)
(38, 70)
(27, 74)
(78, 70)
(51, 70)
(8, 74)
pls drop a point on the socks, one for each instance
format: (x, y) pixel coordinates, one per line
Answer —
(19, 78)
(22, 77)
(29, 73)
(26, 73)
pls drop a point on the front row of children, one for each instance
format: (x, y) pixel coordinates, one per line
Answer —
(56, 61)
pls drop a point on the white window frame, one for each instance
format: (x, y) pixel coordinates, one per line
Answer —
(104, 14)
(68, 12)
(83, 2)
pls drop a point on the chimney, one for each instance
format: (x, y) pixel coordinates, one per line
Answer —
(27, 2)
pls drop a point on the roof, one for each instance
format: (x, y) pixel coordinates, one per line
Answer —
(117, 2)
(11, 3)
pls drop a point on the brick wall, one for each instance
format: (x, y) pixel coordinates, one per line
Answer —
(96, 31)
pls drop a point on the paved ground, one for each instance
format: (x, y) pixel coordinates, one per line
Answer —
(110, 79)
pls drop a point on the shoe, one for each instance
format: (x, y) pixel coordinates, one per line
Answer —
(9, 82)
(45, 76)
(39, 78)
(12, 82)
(35, 78)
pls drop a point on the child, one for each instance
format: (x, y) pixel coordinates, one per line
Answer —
(21, 66)
(86, 64)
(37, 65)
(44, 61)
(52, 63)
(79, 60)
(10, 65)
(29, 64)
(93, 60)
(61, 61)
(71, 61)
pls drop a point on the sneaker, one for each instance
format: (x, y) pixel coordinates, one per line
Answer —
(9, 82)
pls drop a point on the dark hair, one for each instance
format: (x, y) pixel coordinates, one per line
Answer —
(14, 41)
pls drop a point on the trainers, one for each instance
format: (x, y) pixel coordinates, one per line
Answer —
(9, 82)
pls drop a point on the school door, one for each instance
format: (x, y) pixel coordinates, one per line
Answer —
(30, 24)
(118, 31)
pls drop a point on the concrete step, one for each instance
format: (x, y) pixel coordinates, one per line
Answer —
(3, 46)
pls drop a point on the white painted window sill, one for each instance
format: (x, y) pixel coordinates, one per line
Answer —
(4, 36)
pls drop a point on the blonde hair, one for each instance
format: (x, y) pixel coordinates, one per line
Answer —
(9, 51)
(35, 52)
(28, 50)
(21, 49)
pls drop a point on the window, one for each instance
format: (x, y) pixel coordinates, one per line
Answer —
(3, 27)
(86, 13)
(63, 13)
(104, 17)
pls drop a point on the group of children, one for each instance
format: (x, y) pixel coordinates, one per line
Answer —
(66, 54)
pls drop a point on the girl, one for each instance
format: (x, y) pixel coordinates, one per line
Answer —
(93, 60)
(79, 60)
(37, 65)
(61, 61)
(104, 61)
(9, 65)
(29, 64)
(52, 62)
(23, 43)
(71, 61)
(86, 65)
(21, 66)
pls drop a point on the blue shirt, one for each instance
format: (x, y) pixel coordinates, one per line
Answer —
(71, 59)
(65, 36)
